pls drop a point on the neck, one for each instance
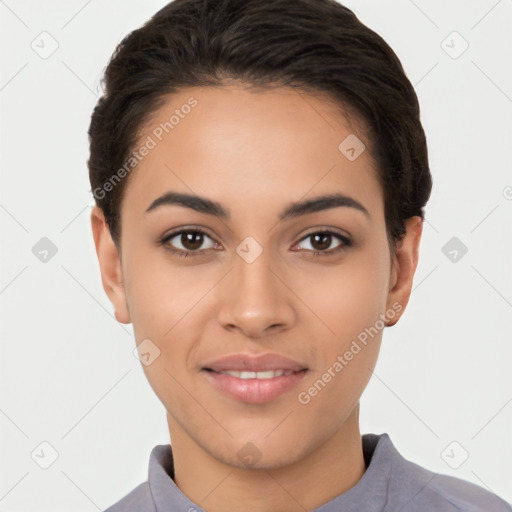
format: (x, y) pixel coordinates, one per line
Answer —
(327, 472)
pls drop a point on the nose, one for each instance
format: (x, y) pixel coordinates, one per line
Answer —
(256, 298)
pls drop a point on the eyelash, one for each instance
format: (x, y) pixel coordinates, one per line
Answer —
(184, 254)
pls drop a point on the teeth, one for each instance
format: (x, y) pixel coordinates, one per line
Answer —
(270, 374)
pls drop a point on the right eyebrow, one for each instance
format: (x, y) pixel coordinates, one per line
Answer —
(197, 203)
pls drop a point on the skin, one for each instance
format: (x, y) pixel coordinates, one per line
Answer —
(255, 153)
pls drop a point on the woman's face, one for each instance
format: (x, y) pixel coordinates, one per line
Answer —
(257, 281)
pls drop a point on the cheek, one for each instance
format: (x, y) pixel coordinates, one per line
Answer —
(346, 299)
(351, 306)
(160, 296)
(164, 303)
(360, 302)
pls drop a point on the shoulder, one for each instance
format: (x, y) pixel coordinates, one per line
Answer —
(464, 496)
(138, 500)
(446, 493)
(419, 489)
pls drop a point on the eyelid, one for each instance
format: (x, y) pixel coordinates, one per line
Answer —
(327, 229)
(345, 240)
(185, 229)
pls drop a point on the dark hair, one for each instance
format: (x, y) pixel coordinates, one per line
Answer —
(317, 46)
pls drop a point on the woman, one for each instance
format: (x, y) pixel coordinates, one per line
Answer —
(260, 174)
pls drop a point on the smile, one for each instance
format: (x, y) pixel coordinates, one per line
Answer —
(270, 374)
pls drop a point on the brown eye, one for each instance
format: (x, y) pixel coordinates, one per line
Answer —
(191, 240)
(321, 241)
(187, 242)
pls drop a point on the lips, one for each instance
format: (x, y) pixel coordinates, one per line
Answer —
(254, 380)
(248, 363)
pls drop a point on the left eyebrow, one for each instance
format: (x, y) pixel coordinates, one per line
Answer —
(322, 203)
(209, 207)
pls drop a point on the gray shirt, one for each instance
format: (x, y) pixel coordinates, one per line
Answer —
(390, 483)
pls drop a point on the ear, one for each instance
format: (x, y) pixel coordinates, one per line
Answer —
(110, 265)
(404, 266)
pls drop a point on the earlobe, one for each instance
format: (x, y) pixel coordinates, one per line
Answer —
(110, 265)
(404, 267)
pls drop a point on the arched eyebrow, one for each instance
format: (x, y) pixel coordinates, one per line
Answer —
(304, 207)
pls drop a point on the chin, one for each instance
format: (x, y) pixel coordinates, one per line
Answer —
(258, 453)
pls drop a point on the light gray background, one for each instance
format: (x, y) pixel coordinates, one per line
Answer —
(68, 374)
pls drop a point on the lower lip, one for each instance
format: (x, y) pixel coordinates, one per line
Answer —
(254, 391)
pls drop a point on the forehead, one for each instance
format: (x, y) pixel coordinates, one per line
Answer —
(248, 147)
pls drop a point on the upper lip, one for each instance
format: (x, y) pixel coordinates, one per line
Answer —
(261, 363)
